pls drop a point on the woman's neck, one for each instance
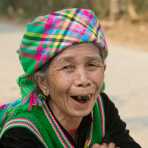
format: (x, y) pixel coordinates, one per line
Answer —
(70, 123)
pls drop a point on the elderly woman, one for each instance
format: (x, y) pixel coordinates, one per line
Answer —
(63, 56)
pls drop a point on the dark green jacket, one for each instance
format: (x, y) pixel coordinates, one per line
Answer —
(115, 131)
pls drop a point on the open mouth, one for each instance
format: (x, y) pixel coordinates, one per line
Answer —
(82, 98)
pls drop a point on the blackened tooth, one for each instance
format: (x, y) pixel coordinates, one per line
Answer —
(85, 97)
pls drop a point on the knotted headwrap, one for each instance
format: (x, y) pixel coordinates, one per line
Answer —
(48, 35)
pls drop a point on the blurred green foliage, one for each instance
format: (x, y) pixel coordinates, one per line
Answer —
(141, 6)
(32, 8)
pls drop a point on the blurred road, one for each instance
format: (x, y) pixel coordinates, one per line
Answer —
(126, 79)
(127, 84)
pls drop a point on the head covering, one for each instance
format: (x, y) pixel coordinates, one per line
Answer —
(48, 35)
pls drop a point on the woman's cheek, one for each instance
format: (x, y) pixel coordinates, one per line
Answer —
(97, 77)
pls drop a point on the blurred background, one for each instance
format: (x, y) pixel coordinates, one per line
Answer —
(125, 23)
(115, 9)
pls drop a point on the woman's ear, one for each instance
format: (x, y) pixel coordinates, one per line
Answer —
(43, 85)
(104, 67)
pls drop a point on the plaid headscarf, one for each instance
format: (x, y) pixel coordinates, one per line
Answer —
(48, 35)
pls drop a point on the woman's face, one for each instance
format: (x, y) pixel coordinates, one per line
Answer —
(74, 80)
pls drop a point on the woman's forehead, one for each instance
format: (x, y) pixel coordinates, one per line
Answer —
(86, 51)
(82, 45)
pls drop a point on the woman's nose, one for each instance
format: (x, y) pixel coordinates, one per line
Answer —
(82, 79)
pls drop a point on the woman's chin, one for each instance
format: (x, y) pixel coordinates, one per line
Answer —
(80, 113)
(78, 108)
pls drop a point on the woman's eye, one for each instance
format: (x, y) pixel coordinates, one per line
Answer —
(68, 67)
(94, 65)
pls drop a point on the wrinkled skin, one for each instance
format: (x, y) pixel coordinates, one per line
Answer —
(77, 71)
